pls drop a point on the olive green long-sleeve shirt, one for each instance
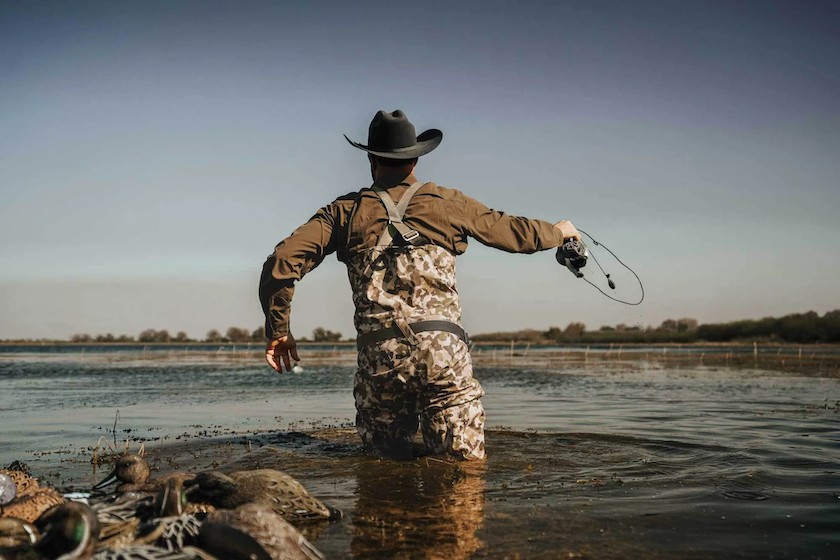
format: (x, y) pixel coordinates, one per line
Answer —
(354, 222)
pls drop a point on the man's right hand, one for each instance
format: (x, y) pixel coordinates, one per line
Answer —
(281, 347)
(567, 230)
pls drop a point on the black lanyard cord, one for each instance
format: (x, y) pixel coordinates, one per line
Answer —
(612, 284)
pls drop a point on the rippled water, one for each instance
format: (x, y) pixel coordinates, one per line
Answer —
(614, 460)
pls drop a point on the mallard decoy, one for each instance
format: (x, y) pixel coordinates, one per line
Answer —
(134, 475)
(145, 520)
(69, 531)
(161, 521)
(285, 495)
(30, 506)
(152, 553)
(171, 500)
(254, 531)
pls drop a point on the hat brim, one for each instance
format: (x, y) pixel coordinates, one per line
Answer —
(426, 142)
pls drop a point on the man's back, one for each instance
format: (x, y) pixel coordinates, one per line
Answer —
(415, 368)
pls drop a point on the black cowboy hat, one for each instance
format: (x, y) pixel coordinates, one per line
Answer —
(391, 135)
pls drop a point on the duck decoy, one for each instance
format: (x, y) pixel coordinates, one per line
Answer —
(285, 495)
(254, 531)
(153, 553)
(134, 475)
(173, 525)
(170, 501)
(31, 505)
(69, 531)
(167, 520)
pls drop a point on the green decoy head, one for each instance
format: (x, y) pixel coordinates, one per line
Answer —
(68, 531)
(172, 499)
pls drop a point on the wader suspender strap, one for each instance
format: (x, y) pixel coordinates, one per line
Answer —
(401, 329)
(396, 212)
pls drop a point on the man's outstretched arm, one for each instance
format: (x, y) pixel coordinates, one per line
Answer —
(514, 234)
(294, 257)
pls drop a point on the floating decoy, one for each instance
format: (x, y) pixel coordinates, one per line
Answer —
(254, 531)
(69, 531)
(134, 475)
(152, 553)
(159, 520)
(31, 505)
(285, 495)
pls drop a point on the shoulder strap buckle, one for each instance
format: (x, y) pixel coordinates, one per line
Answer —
(396, 212)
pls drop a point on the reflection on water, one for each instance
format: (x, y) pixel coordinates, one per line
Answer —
(613, 460)
(423, 509)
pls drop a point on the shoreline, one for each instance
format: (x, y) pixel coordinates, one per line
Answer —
(813, 360)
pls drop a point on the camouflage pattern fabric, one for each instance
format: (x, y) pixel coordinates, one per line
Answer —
(425, 381)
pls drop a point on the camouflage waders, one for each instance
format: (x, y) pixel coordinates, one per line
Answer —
(423, 379)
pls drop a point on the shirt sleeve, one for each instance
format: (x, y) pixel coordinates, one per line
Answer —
(294, 257)
(513, 234)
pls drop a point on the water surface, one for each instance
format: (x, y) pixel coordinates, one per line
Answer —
(614, 459)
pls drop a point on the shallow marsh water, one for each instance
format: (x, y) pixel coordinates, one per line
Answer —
(617, 459)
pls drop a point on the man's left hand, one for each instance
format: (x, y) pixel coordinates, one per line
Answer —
(282, 347)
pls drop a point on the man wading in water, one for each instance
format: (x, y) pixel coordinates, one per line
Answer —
(399, 240)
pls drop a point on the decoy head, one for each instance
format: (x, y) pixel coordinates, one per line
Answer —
(129, 469)
(172, 499)
(68, 531)
(17, 533)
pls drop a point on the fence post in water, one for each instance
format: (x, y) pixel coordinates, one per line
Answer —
(755, 352)
(619, 350)
(800, 352)
(586, 354)
(511, 349)
(701, 357)
(526, 350)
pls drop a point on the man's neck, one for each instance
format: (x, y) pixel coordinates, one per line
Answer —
(394, 177)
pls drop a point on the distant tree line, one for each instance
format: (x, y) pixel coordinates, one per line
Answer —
(796, 328)
(232, 334)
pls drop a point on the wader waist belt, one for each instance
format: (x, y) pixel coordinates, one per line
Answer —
(420, 326)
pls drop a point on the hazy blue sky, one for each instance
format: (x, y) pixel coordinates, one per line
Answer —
(153, 153)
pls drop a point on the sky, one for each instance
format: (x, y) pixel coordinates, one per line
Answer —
(153, 153)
